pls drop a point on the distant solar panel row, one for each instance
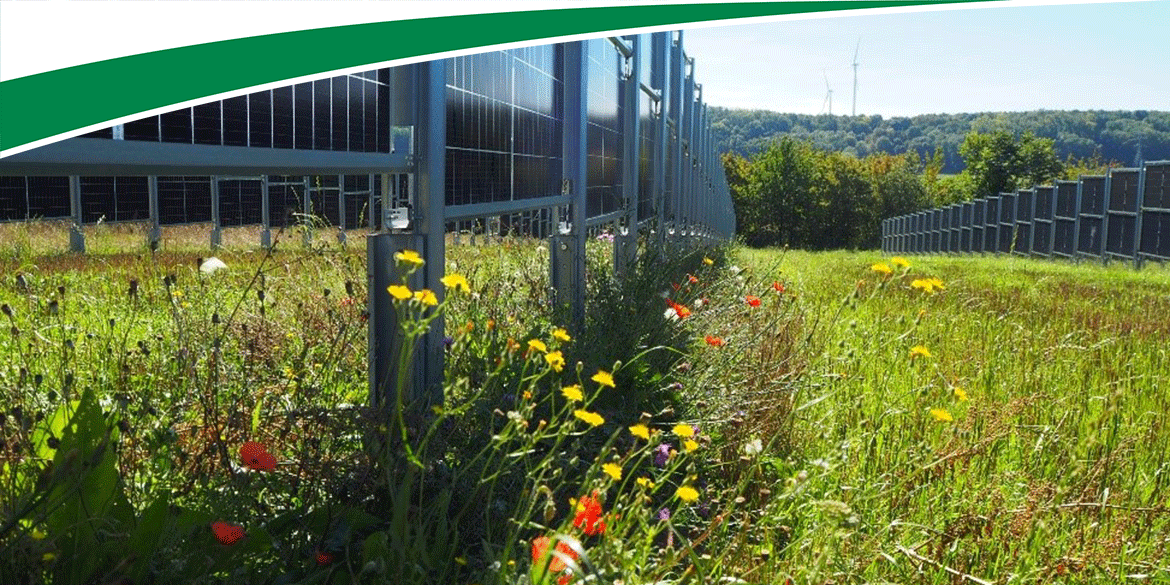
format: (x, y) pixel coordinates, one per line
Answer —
(1124, 214)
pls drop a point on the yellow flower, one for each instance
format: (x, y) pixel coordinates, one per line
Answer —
(645, 482)
(527, 395)
(555, 360)
(561, 334)
(426, 297)
(604, 378)
(399, 292)
(690, 445)
(919, 351)
(48, 556)
(928, 285)
(592, 418)
(708, 261)
(37, 534)
(461, 560)
(639, 430)
(960, 394)
(687, 494)
(613, 470)
(409, 257)
(941, 415)
(457, 282)
(537, 345)
(900, 262)
(573, 392)
(684, 430)
(882, 267)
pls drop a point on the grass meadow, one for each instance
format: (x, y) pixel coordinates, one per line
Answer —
(724, 415)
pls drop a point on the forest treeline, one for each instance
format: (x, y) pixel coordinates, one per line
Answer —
(795, 193)
(1125, 137)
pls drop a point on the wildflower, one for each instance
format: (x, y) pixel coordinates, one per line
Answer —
(708, 261)
(555, 360)
(679, 310)
(752, 301)
(457, 282)
(592, 418)
(777, 286)
(714, 341)
(661, 455)
(928, 285)
(900, 262)
(324, 558)
(461, 560)
(690, 445)
(227, 534)
(527, 395)
(399, 292)
(960, 394)
(613, 470)
(573, 392)
(409, 257)
(588, 515)
(753, 447)
(562, 335)
(664, 514)
(540, 551)
(604, 378)
(645, 482)
(941, 415)
(426, 297)
(469, 327)
(48, 557)
(685, 431)
(882, 267)
(513, 345)
(639, 430)
(687, 494)
(537, 345)
(919, 351)
(256, 457)
(691, 278)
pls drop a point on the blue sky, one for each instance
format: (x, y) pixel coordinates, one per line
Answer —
(1112, 56)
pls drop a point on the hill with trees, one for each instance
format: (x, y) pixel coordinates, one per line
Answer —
(1123, 137)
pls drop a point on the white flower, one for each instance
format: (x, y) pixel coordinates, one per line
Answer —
(211, 265)
(734, 269)
(698, 303)
(671, 314)
(753, 447)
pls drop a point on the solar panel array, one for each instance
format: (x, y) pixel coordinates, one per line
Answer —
(1122, 215)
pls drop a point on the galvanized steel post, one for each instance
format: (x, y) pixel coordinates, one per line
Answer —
(1137, 220)
(625, 239)
(76, 235)
(660, 59)
(152, 238)
(567, 253)
(216, 230)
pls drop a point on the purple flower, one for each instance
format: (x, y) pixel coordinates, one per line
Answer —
(448, 340)
(661, 455)
(664, 514)
(696, 429)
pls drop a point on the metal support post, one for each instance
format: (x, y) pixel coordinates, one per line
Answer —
(430, 222)
(1052, 214)
(155, 235)
(1102, 250)
(306, 211)
(625, 240)
(1076, 243)
(371, 217)
(567, 252)
(265, 212)
(76, 233)
(677, 77)
(660, 59)
(341, 209)
(216, 229)
(1137, 220)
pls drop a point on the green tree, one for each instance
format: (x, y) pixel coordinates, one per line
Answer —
(999, 162)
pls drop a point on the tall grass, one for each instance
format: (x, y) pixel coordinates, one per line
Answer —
(735, 416)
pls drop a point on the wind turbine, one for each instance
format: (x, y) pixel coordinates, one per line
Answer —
(855, 64)
(828, 95)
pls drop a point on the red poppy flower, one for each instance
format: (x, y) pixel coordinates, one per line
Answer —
(680, 310)
(588, 515)
(714, 341)
(256, 457)
(776, 286)
(324, 558)
(227, 534)
(540, 549)
(692, 278)
(753, 301)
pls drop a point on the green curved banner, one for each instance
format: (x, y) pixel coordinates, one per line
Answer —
(50, 104)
